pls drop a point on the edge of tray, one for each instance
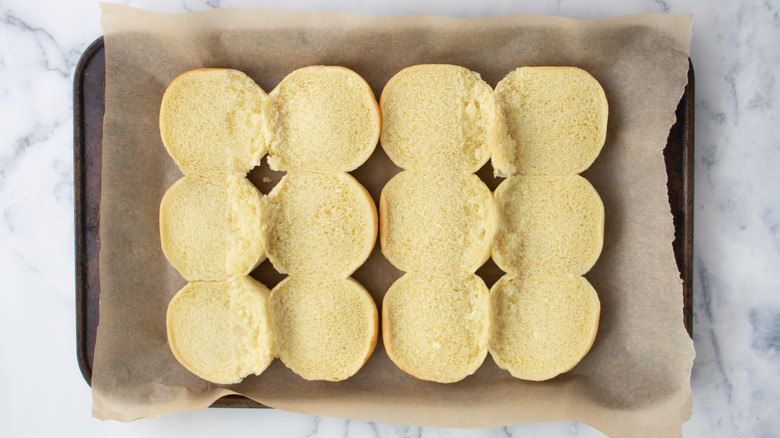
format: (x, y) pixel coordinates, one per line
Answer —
(87, 239)
(81, 210)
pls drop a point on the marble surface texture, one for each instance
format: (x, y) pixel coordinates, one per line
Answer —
(736, 374)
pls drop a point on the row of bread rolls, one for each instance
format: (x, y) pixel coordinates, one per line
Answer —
(321, 222)
(439, 223)
(437, 219)
(318, 224)
(551, 220)
(211, 225)
(211, 219)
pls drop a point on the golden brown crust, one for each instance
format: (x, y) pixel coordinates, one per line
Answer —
(382, 220)
(373, 324)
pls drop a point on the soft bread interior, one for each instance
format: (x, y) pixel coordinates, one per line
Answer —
(436, 327)
(319, 224)
(220, 331)
(438, 117)
(322, 119)
(211, 120)
(548, 223)
(211, 226)
(556, 121)
(436, 222)
(542, 325)
(325, 328)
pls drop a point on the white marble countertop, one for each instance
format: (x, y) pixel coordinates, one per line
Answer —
(736, 374)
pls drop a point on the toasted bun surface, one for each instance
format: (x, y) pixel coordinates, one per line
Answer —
(555, 121)
(436, 222)
(211, 226)
(322, 119)
(548, 223)
(542, 325)
(438, 117)
(436, 327)
(325, 328)
(211, 120)
(220, 330)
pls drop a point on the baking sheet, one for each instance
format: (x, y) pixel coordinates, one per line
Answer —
(639, 367)
(88, 95)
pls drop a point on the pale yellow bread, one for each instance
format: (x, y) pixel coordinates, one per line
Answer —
(436, 327)
(436, 222)
(555, 121)
(320, 224)
(211, 226)
(325, 328)
(211, 120)
(321, 118)
(548, 223)
(438, 116)
(220, 331)
(543, 324)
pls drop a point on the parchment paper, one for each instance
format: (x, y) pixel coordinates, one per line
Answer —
(635, 380)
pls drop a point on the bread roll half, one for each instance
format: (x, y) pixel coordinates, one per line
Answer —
(436, 327)
(211, 120)
(325, 328)
(220, 331)
(436, 222)
(542, 325)
(555, 121)
(211, 226)
(322, 118)
(548, 223)
(319, 224)
(438, 116)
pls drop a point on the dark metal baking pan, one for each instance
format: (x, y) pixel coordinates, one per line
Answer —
(88, 110)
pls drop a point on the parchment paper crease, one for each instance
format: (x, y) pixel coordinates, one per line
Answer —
(635, 380)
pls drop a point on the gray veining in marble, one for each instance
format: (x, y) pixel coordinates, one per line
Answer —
(736, 375)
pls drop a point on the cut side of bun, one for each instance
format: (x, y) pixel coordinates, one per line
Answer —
(319, 224)
(325, 328)
(438, 116)
(542, 325)
(220, 331)
(211, 226)
(211, 121)
(322, 118)
(436, 222)
(436, 327)
(548, 223)
(555, 121)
